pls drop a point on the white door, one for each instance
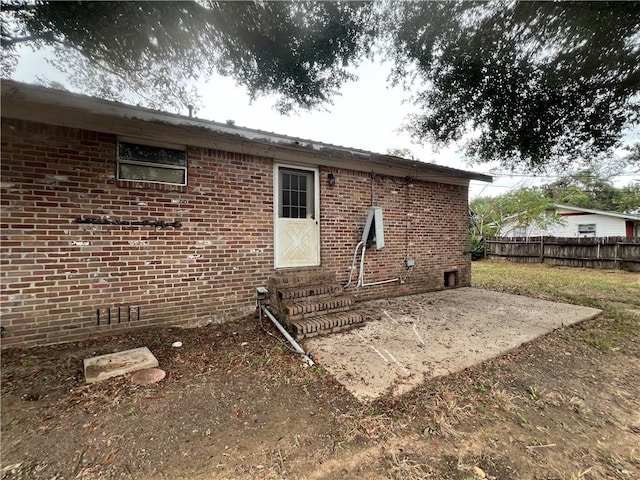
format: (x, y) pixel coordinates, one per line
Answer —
(296, 208)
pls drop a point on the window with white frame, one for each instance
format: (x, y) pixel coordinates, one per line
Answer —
(587, 229)
(152, 164)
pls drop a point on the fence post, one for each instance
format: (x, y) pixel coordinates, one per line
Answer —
(541, 249)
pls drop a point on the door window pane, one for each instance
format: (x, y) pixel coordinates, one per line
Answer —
(296, 193)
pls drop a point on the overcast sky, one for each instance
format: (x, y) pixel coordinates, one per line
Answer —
(368, 114)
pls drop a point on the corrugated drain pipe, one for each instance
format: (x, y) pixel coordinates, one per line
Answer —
(291, 340)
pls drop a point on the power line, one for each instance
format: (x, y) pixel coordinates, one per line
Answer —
(577, 175)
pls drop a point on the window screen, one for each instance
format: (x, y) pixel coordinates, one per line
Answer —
(145, 163)
(587, 229)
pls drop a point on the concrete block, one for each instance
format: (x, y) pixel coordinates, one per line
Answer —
(114, 364)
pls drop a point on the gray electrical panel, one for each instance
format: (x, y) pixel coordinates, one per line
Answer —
(374, 229)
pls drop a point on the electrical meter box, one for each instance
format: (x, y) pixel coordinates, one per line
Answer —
(373, 232)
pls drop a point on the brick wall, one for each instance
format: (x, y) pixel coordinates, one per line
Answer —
(424, 221)
(56, 274)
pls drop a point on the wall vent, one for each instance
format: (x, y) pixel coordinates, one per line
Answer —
(119, 314)
(450, 279)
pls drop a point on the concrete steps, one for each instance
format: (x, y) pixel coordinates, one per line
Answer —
(312, 303)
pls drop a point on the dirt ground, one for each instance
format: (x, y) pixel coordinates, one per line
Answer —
(237, 404)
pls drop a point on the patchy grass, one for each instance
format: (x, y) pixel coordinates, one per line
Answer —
(235, 404)
(616, 293)
(588, 287)
(401, 467)
(600, 343)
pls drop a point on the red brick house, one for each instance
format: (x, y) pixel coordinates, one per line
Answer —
(116, 216)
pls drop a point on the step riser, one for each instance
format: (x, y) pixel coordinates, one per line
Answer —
(327, 332)
(289, 319)
(306, 292)
(326, 324)
(322, 306)
(302, 278)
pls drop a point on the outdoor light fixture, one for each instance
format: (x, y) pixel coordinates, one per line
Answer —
(331, 180)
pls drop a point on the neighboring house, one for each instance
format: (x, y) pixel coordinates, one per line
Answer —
(585, 222)
(116, 216)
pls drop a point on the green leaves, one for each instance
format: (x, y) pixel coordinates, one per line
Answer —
(535, 207)
(153, 52)
(587, 189)
(502, 215)
(297, 50)
(532, 85)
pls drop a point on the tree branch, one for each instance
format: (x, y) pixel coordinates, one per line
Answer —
(14, 7)
(11, 41)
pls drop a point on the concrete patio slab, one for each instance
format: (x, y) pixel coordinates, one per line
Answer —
(409, 339)
(114, 364)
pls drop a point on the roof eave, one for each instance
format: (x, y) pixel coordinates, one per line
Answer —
(599, 212)
(37, 95)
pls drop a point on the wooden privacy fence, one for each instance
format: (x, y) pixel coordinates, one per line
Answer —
(587, 252)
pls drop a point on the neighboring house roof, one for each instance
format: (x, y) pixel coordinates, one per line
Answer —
(626, 216)
(59, 107)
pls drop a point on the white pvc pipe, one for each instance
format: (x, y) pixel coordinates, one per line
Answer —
(360, 282)
(353, 263)
(295, 344)
(361, 274)
(381, 282)
(361, 271)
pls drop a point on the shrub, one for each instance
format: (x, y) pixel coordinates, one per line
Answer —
(477, 248)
